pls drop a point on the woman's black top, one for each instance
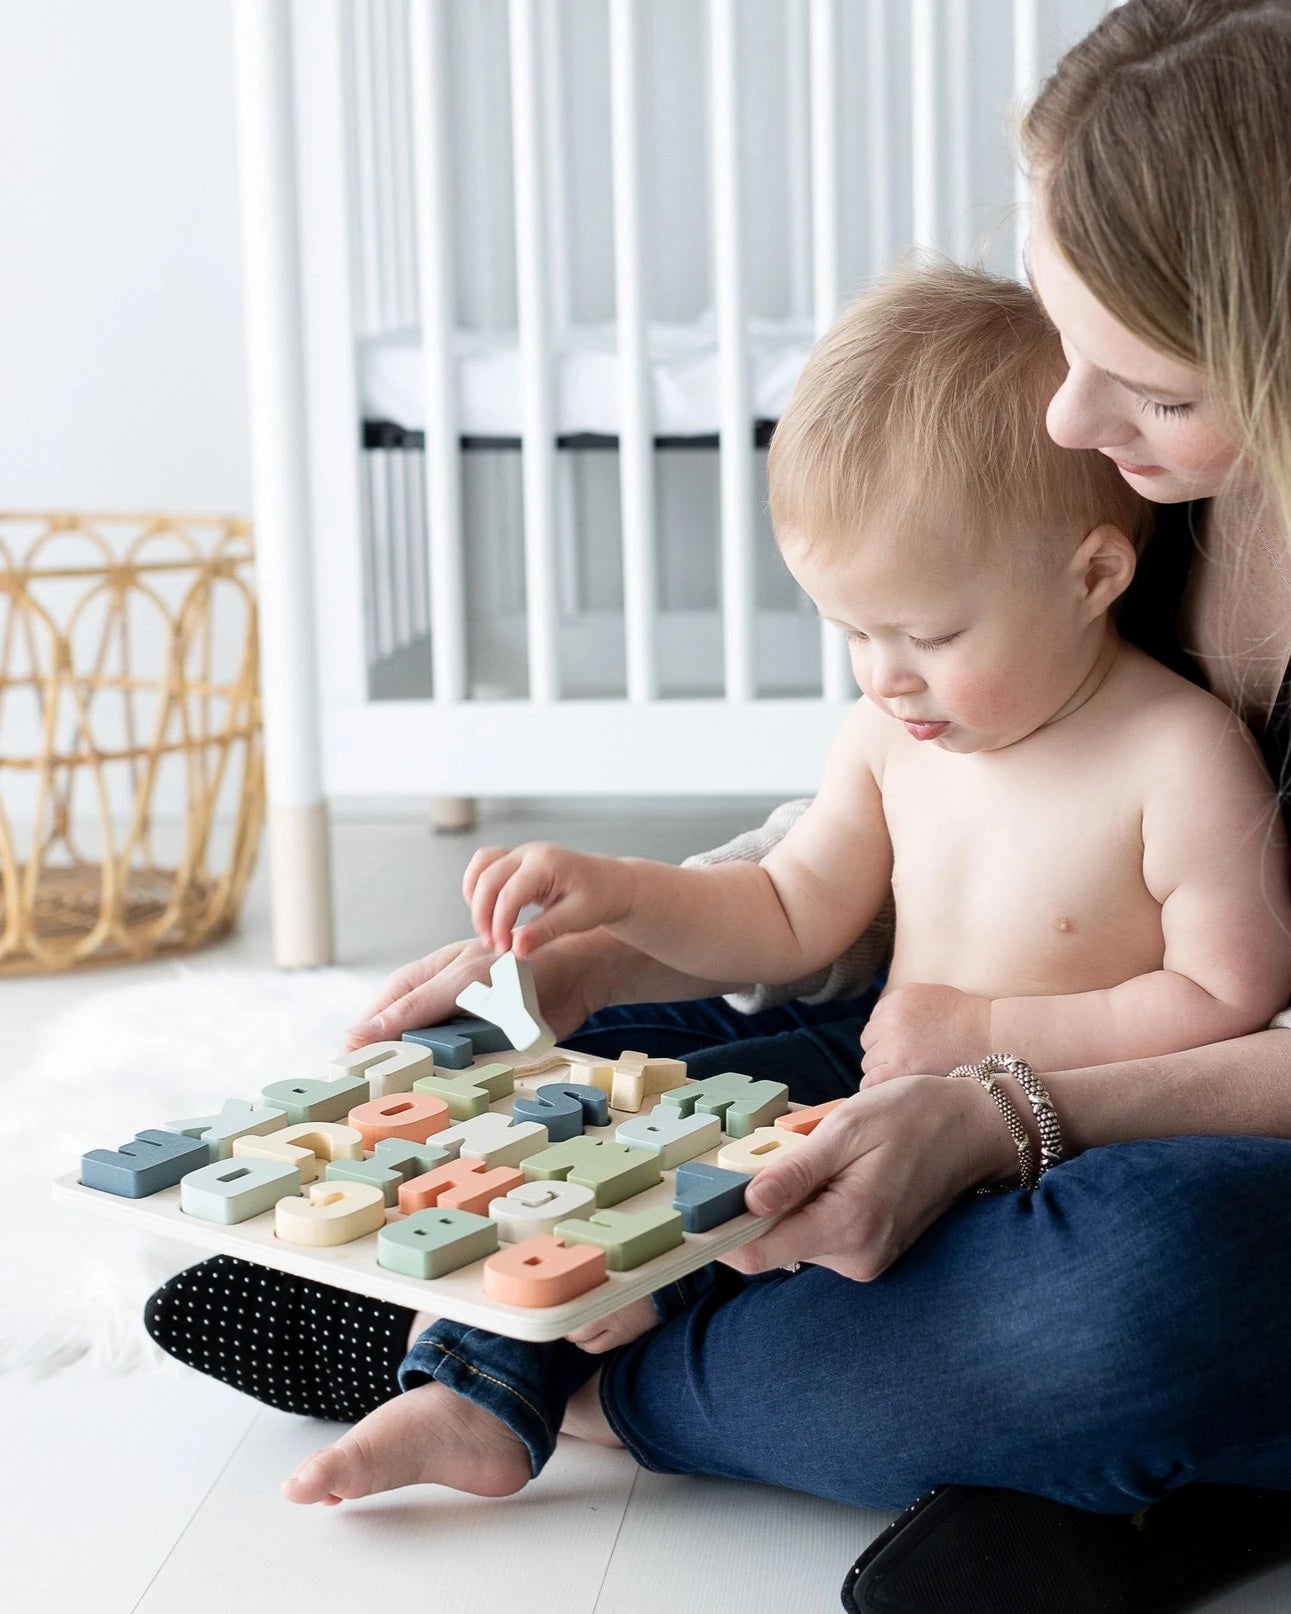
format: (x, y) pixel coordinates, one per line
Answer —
(1149, 618)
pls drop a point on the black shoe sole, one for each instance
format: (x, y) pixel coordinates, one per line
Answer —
(968, 1550)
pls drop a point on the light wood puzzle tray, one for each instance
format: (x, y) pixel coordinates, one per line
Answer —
(460, 1294)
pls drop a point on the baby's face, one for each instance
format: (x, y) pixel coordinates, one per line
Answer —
(962, 654)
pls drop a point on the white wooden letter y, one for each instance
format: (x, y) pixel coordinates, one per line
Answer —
(511, 1002)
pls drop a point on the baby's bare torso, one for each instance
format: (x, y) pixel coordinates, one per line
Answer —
(1020, 872)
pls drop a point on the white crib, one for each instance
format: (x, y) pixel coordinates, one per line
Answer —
(510, 390)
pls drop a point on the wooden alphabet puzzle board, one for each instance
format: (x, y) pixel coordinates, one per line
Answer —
(527, 1194)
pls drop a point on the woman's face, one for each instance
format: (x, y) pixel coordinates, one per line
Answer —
(1148, 413)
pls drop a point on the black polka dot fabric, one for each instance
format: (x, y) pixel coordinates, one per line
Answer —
(300, 1346)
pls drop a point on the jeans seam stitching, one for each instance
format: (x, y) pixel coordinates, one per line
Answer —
(501, 1383)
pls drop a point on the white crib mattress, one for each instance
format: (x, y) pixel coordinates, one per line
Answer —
(683, 359)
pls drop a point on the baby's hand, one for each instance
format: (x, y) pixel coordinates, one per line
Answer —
(575, 890)
(619, 1328)
(924, 1029)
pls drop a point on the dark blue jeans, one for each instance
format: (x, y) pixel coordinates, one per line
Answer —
(1116, 1333)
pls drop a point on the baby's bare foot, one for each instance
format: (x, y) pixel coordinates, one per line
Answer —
(426, 1436)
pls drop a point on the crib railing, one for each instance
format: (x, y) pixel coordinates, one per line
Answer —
(472, 164)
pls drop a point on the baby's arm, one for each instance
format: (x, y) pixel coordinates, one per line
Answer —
(808, 899)
(1215, 858)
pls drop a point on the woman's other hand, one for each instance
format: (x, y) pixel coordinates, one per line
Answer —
(568, 975)
(576, 891)
(875, 1174)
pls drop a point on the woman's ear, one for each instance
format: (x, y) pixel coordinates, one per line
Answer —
(1105, 564)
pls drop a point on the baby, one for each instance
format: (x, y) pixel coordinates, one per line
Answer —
(1084, 848)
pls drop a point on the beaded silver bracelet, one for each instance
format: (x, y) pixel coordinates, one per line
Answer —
(1026, 1155)
(1042, 1107)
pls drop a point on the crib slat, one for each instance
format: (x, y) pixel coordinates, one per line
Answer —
(1026, 73)
(735, 430)
(924, 133)
(798, 114)
(415, 489)
(562, 313)
(379, 538)
(366, 167)
(958, 132)
(400, 544)
(836, 674)
(636, 405)
(404, 244)
(876, 93)
(432, 175)
(382, 79)
(538, 447)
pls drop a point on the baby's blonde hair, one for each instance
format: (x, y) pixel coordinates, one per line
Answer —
(928, 397)
(1163, 144)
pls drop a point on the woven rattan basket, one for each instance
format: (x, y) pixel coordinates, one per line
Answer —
(131, 765)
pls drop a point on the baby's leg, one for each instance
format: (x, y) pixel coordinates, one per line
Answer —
(619, 1328)
(421, 1321)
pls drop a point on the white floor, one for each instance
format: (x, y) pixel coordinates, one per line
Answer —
(158, 1491)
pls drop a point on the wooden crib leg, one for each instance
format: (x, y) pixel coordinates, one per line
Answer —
(300, 886)
(449, 814)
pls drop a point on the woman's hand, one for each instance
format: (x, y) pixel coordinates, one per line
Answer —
(922, 1027)
(570, 977)
(877, 1172)
(576, 891)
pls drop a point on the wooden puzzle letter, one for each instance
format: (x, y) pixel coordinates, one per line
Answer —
(708, 1195)
(557, 1109)
(334, 1213)
(237, 1119)
(460, 1185)
(451, 1049)
(542, 1271)
(229, 1191)
(414, 1116)
(317, 1101)
(510, 1001)
(470, 1092)
(495, 1139)
(637, 1078)
(390, 1067)
(629, 1238)
(759, 1149)
(431, 1243)
(305, 1146)
(151, 1161)
(536, 1207)
(673, 1136)
(742, 1103)
(611, 1170)
(807, 1120)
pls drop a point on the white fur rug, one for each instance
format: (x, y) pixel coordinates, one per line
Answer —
(125, 1058)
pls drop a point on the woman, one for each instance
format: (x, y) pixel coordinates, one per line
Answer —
(1052, 1363)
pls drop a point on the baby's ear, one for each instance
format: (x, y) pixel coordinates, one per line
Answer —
(1106, 560)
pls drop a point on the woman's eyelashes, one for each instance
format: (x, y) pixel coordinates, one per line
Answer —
(1164, 411)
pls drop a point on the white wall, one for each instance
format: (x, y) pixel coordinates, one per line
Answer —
(120, 297)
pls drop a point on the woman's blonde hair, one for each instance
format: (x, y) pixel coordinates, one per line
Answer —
(928, 398)
(1163, 145)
